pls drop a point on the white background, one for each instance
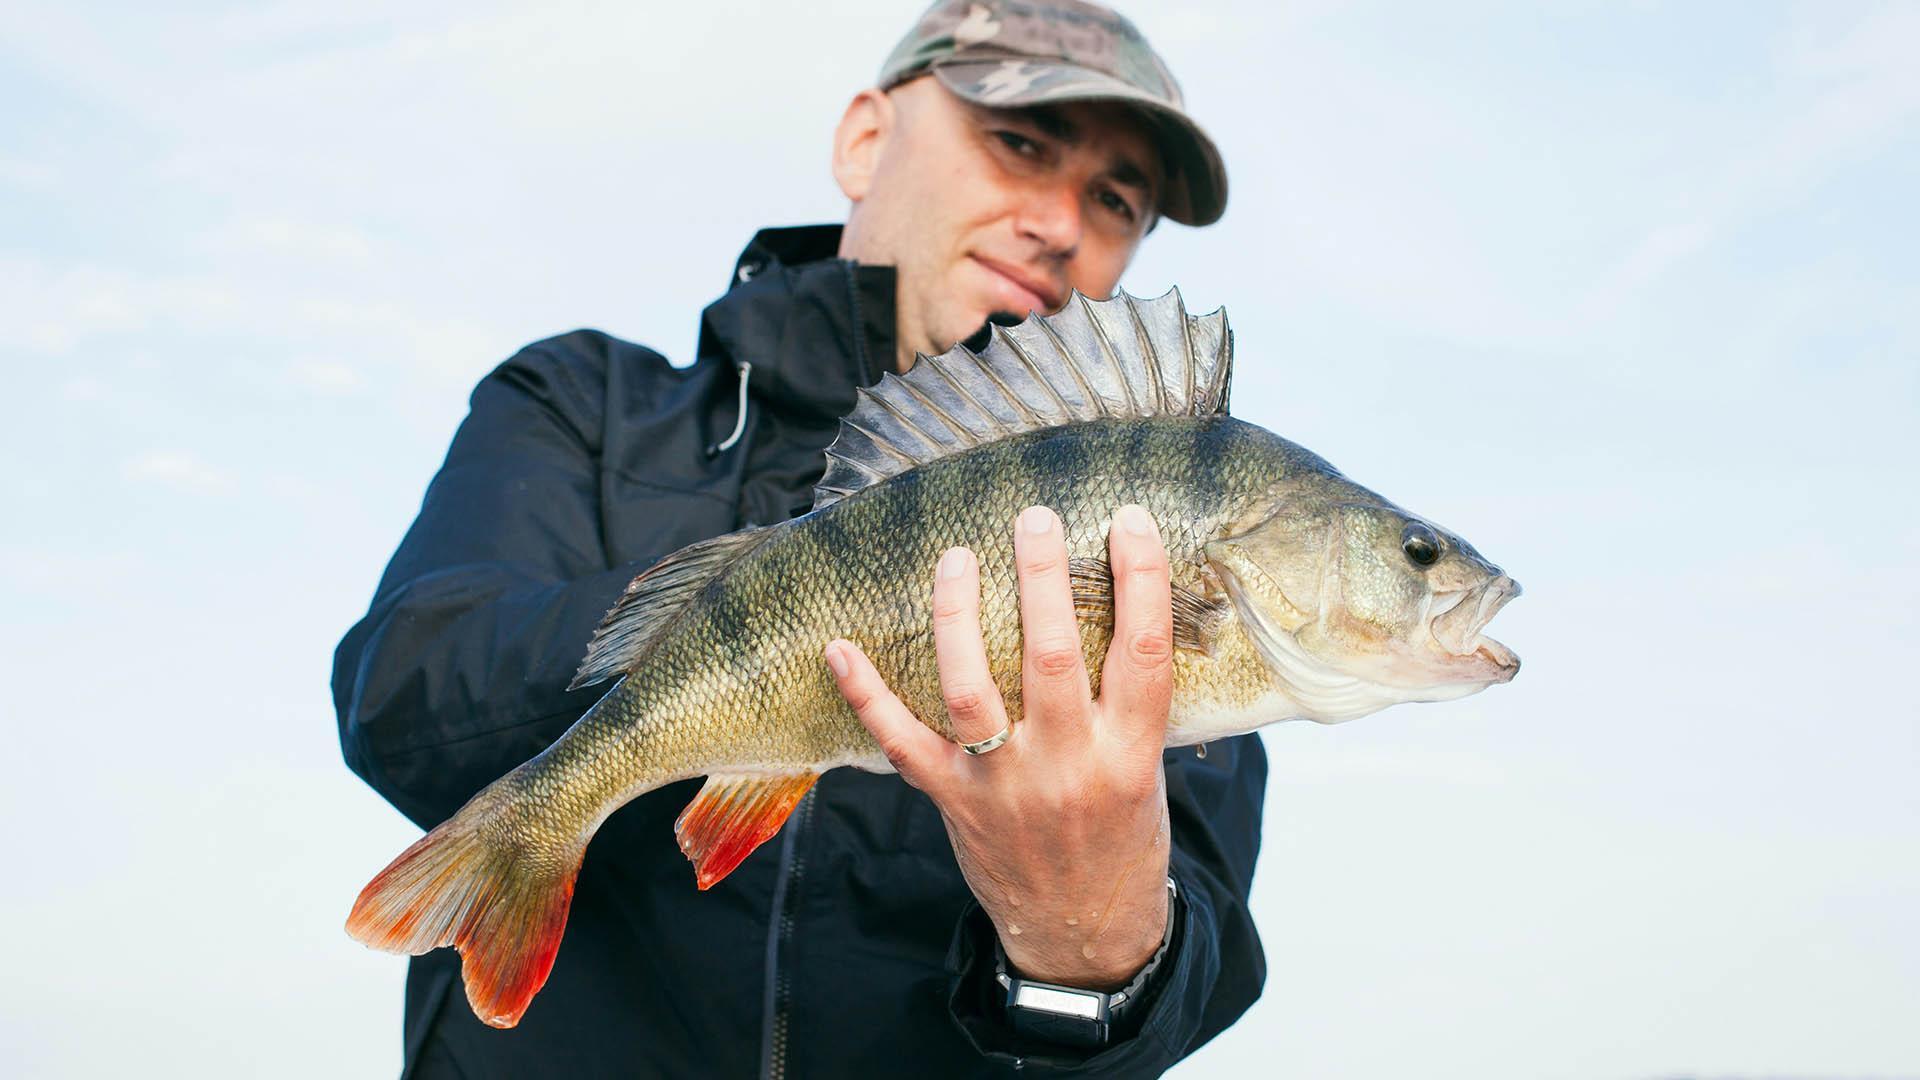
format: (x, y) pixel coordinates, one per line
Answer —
(1623, 292)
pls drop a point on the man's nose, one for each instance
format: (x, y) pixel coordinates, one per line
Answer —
(1051, 214)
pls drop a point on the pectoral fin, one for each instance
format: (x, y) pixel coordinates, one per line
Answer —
(733, 814)
(1196, 619)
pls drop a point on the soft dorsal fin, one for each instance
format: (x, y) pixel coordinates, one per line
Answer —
(1124, 358)
(654, 599)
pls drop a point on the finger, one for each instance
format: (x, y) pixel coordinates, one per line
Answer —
(1136, 683)
(966, 682)
(1053, 675)
(919, 755)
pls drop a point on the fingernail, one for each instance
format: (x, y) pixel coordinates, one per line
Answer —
(953, 563)
(837, 660)
(1135, 520)
(1036, 520)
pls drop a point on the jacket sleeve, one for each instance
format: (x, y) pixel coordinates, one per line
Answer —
(1214, 968)
(458, 671)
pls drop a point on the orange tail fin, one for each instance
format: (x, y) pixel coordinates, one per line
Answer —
(502, 906)
(732, 815)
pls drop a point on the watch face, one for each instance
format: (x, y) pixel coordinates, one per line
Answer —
(1080, 1004)
(1039, 1022)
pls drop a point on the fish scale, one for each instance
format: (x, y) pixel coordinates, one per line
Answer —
(723, 691)
(1296, 594)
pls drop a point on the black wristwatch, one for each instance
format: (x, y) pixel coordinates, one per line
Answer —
(1067, 1014)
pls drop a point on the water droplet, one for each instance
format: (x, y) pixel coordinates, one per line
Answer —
(1200, 751)
(1087, 950)
(1013, 900)
(1014, 929)
(1072, 921)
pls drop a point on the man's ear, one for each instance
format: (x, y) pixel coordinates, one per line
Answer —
(859, 140)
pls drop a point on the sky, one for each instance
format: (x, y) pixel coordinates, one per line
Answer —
(1622, 292)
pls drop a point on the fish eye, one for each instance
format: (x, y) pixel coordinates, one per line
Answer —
(1422, 547)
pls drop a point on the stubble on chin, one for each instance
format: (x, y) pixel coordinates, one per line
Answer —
(978, 340)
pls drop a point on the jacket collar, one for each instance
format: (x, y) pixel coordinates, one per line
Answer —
(815, 327)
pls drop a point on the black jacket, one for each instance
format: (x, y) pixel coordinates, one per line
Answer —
(849, 945)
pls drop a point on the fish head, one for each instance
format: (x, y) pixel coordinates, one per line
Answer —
(1354, 604)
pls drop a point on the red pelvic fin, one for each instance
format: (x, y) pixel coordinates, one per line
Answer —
(733, 814)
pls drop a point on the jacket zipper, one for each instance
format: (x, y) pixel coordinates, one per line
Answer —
(867, 375)
(779, 986)
(793, 861)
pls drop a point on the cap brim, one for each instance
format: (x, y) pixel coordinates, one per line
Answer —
(1196, 177)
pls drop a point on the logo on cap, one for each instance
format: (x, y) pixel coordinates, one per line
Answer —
(977, 27)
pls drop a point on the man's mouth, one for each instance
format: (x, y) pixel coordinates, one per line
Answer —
(1023, 290)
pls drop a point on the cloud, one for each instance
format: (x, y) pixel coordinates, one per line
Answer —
(84, 388)
(455, 350)
(51, 309)
(325, 376)
(1656, 253)
(1841, 95)
(179, 470)
(291, 238)
(28, 175)
(48, 309)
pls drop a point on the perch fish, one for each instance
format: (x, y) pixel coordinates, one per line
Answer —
(1297, 594)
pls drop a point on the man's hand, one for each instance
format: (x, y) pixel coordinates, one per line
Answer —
(1062, 832)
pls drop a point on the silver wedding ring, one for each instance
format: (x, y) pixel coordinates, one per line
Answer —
(991, 742)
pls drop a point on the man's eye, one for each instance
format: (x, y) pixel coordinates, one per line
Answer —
(1019, 143)
(1118, 205)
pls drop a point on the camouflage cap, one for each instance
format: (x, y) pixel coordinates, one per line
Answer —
(1014, 53)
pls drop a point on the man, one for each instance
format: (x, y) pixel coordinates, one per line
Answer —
(1010, 152)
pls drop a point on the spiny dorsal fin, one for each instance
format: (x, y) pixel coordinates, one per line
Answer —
(1122, 359)
(654, 599)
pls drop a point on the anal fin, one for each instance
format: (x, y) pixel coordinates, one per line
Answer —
(733, 814)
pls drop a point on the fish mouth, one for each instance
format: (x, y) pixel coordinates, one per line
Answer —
(1458, 619)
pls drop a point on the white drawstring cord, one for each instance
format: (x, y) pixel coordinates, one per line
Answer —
(739, 421)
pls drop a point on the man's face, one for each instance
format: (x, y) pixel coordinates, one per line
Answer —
(991, 212)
